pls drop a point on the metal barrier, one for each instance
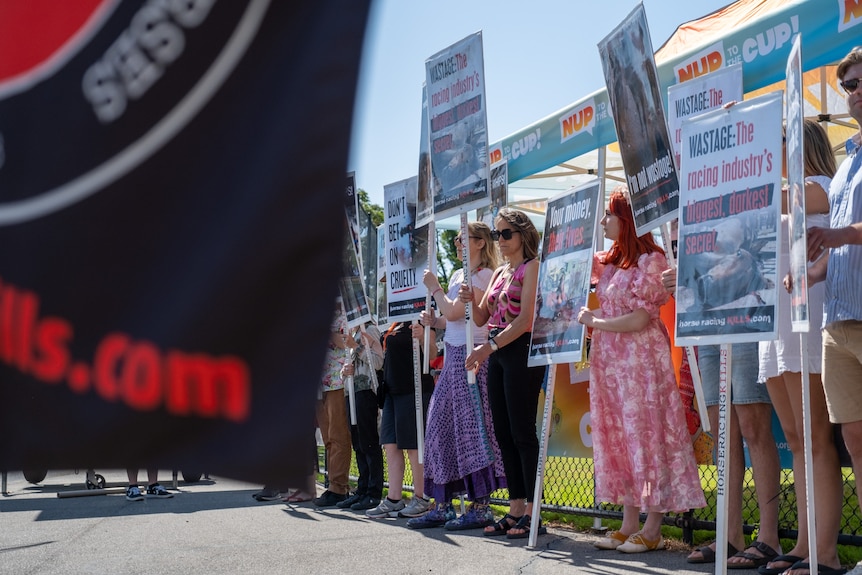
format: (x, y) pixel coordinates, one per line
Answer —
(568, 488)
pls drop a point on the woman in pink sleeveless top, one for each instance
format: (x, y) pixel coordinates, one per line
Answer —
(513, 388)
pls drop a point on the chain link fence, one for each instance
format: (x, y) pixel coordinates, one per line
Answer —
(568, 488)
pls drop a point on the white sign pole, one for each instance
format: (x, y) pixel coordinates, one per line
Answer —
(429, 297)
(723, 452)
(468, 307)
(417, 395)
(372, 373)
(543, 455)
(348, 381)
(809, 455)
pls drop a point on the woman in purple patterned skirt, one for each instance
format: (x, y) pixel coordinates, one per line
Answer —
(461, 452)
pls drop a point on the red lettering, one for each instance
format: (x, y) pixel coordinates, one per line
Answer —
(106, 365)
(52, 337)
(699, 243)
(198, 385)
(135, 373)
(7, 319)
(141, 381)
(28, 312)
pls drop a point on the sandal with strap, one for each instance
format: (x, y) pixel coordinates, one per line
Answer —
(524, 524)
(789, 559)
(707, 555)
(501, 526)
(821, 569)
(753, 560)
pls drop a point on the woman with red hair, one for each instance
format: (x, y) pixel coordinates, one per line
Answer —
(642, 451)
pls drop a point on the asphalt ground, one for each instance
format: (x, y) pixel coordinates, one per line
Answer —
(215, 527)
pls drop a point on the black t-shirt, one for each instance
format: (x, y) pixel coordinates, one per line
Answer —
(398, 361)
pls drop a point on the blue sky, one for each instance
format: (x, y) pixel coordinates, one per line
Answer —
(540, 56)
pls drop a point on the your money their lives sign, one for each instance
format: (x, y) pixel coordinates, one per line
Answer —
(168, 172)
(564, 276)
(730, 201)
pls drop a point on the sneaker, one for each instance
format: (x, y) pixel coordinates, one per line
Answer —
(366, 502)
(133, 493)
(475, 518)
(386, 508)
(346, 503)
(156, 491)
(437, 517)
(329, 499)
(267, 494)
(415, 508)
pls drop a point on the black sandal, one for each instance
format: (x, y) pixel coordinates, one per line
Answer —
(707, 555)
(502, 526)
(753, 561)
(524, 524)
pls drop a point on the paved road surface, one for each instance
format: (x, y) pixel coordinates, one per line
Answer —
(215, 527)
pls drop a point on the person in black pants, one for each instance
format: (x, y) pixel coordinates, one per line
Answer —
(513, 388)
(366, 355)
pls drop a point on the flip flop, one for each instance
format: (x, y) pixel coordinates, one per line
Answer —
(753, 560)
(821, 569)
(297, 497)
(707, 555)
(789, 559)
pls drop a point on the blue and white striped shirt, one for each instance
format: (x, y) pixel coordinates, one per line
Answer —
(844, 274)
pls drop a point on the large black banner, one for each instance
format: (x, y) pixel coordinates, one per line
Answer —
(171, 183)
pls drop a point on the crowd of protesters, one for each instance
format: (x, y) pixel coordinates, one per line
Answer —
(480, 431)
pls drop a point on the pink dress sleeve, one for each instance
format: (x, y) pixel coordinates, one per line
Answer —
(647, 290)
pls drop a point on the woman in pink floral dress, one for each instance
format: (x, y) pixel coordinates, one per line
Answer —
(642, 451)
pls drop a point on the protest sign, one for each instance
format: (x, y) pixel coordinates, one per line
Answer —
(499, 193)
(406, 251)
(798, 238)
(698, 95)
(636, 105)
(382, 311)
(564, 275)
(458, 127)
(731, 179)
(425, 190)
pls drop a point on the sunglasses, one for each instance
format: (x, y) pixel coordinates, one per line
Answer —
(850, 85)
(505, 234)
(457, 239)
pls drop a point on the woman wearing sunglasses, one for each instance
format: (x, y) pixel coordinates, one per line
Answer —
(461, 452)
(513, 388)
(642, 451)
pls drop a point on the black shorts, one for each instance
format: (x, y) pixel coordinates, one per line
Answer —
(398, 420)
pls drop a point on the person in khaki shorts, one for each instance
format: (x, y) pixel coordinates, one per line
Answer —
(837, 253)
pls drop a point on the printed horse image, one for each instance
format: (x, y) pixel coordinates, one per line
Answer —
(732, 270)
(730, 277)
